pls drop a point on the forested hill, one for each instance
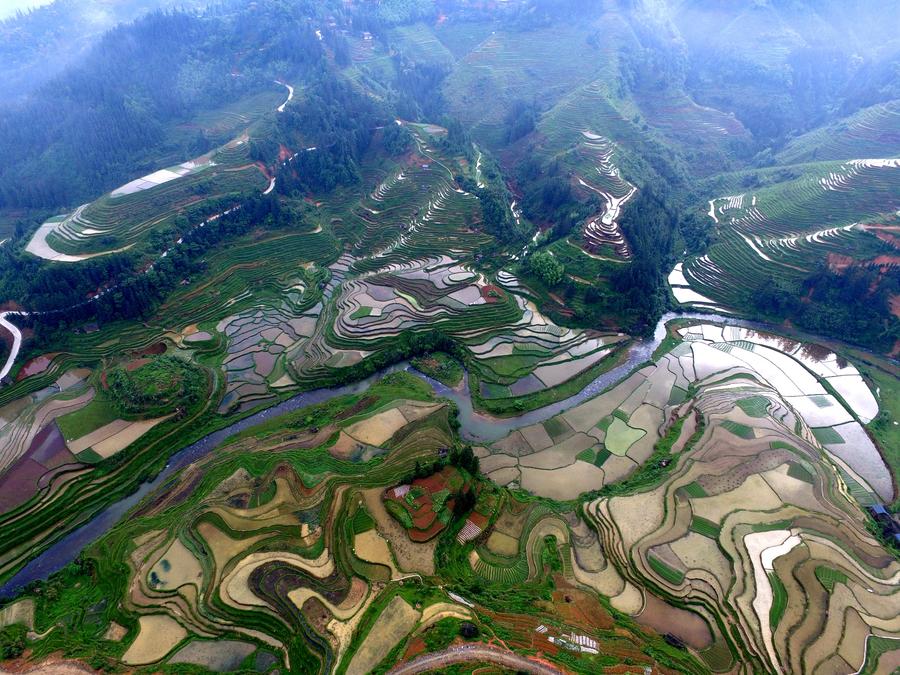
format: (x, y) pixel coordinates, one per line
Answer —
(112, 115)
(37, 43)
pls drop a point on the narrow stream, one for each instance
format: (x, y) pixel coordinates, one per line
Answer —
(475, 427)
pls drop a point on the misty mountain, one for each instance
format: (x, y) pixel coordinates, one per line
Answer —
(37, 43)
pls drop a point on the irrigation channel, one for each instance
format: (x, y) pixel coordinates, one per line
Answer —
(475, 427)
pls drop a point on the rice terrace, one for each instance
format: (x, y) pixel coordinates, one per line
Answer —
(408, 336)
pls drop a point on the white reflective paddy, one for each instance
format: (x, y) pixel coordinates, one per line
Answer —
(804, 375)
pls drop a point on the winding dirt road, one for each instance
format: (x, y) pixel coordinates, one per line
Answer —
(290, 94)
(17, 342)
(480, 653)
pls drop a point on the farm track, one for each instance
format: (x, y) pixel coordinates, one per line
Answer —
(17, 343)
(473, 653)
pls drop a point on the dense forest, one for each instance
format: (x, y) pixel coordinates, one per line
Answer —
(37, 43)
(332, 125)
(850, 305)
(826, 59)
(108, 118)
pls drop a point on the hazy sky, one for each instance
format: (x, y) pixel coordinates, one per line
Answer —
(8, 7)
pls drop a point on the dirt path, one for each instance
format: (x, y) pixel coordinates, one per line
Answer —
(16, 344)
(479, 653)
(52, 666)
(290, 94)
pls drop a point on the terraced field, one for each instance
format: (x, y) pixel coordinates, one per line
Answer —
(505, 68)
(722, 482)
(741, 525)
(307, 326)
(872, 132)
(414, 210)
(259, 555)
(123, 218)
(119, 220)
(596, 443)
(707, 137)
(696, 535)
(597, 174)
(829, 214)
(740, 504)
(281, 310)
(277, 549)
(289, 495)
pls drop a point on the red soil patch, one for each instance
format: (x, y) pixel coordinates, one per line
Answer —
(264, 170)
(894, 303)
(578, 608)
(435, 482)
(431, 363)
(356, 408)
(839, 263)
(478, 519)
(426, 525)
(423, 517)
(522, 634)
(283, 153)
(421, 536)
(885, 261)
(890, 234)
(137, 363)
(52, 665)
(415, 647)
(36, 365)
(155, 349)
(492, 293)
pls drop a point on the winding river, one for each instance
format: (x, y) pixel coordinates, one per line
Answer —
(475, 427)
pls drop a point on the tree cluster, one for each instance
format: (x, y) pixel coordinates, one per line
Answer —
(852, 305)
(333, 124)
(650, 225)
(496, 217)
(397, 139)
(546, 267)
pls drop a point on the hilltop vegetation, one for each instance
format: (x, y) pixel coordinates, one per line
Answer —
(159, 385)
